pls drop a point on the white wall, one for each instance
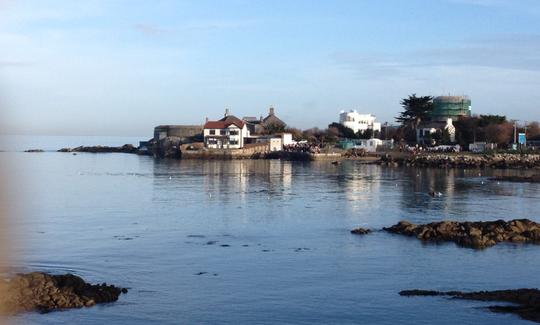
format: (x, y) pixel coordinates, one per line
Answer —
(358, 122)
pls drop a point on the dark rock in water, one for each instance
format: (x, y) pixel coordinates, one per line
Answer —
(360, 231)
(472, 234)
(34, 150)
(518, 179)
(127, 148)
(44, 293)
(527, 301)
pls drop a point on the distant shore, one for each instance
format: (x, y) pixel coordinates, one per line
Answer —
(390, 158)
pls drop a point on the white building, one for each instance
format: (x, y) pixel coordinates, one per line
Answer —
(359, 122)
(370, 145)
(227, 133)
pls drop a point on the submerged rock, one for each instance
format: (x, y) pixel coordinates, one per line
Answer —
(44, 293)
(527, 301)
(360, 231)
(472, 234)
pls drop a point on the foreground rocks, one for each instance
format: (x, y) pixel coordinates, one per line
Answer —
(527, 300)
(44, 293)
(518, 179)
(472, 234)
(127, 148)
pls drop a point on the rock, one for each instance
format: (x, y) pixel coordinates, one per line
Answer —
(527, 301)
(472, 234)
(34, 150)
(360, 231)
(127, 148)
(469, 160)
(44, 293)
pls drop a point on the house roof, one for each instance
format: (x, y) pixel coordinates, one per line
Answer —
(225, 123)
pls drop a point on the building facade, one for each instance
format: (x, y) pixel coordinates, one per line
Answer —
(228, 133)
(359, 122)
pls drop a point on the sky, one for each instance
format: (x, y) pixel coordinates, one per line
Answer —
(121, 67)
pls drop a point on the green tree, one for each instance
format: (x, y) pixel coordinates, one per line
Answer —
(415, 110)
(343, 131)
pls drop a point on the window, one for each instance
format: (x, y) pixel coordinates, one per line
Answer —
(222, 132)
(212, 132)
(233, 132)
(233, 142)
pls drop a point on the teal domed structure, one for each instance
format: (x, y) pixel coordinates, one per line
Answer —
(445, 107)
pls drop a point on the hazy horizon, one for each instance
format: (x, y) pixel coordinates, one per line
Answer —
(123, 67)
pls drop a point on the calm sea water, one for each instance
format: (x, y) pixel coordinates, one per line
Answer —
(258, 242)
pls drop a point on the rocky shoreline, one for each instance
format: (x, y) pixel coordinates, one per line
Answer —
(527, 301)
(43, 293)
(477, 235)
(464, 160)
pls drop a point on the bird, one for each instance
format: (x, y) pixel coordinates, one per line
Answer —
(435, 194)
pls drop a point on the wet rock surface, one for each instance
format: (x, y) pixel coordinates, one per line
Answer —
(44, 293)
(527, 301)
(127, 148)
(518, 179)
(361, 231)
(477, 235)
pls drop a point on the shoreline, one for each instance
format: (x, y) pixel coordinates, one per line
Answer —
(390, 159)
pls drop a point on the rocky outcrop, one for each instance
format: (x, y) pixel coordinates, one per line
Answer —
(361, 231)
(127, 148)
(44, 293)
(169, 147)
(527, 301)
(518, 179)
(472, 234)
(466, 160)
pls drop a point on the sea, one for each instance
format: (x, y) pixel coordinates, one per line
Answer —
(256, 241)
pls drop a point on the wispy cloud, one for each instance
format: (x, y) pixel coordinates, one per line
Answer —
(149, 29)
(516, 52)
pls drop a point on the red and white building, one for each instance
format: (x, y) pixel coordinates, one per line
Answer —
(228, 133)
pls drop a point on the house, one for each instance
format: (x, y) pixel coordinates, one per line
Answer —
(426, 132)
(268, 124)
(359, 122)
(227, 133)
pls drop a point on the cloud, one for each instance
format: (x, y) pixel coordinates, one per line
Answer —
(514, 52)
(14, 64)
(149, 29)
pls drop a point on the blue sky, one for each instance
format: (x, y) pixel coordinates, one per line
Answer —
(121, 67)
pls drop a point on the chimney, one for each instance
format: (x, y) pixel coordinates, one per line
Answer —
(271, 110)
(226, 112)
(206, 120)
